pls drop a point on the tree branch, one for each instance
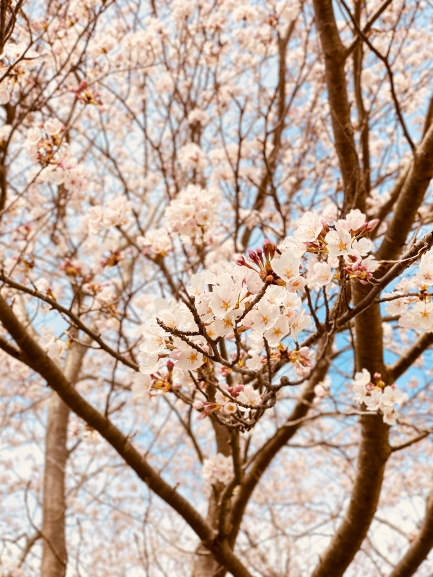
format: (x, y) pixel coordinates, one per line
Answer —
(409, 200)
(335, 57)
(122, 445)
(404, 362)
(368, 25)
(420, 547)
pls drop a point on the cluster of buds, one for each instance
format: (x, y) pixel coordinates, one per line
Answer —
(205, 408)
(246, 397)
(53, 129)
(262, 258)
(377, 382)
(27, 261)
(87, 95)
(113, 258)
(301, 361)
(92, 288)
(22, 232)
(163, 383)
(71, 267)
(358, 270)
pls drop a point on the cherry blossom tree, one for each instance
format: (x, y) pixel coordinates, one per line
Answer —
(215, 296)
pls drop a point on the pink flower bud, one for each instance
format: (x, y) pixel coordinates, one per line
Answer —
(269, 249)
(372, 224)
(224, 371)
(198, 405)
(170, 366)
(253, 257)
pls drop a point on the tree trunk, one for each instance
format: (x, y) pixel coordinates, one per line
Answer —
(205, 565)
(54, 557)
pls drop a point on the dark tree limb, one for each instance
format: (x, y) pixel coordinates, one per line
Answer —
(55, 378)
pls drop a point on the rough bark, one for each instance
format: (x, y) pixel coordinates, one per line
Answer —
(373, 453)
(409, 200)
(54, 557)
(363, 124)
(205, 563)
(335, 76)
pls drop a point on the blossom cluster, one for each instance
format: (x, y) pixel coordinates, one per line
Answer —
(44, 146)
(217, 469)
(17, 60)
(192, 156)
(414, 309)
(257, 299)
(376, 396)
(116, 213)
(156, 241)
(55, 347)
(229, 400)
(193, 212)
(345, 238)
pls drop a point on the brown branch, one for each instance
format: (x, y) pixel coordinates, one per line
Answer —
(368, 25)
(406, 360)
(74, 318)
(120, 443)
(335, 57)
(410, 442)
(11, 349)
(409, 200)
(265, 455)
(387, 65)
(373, 452)
(419, 548)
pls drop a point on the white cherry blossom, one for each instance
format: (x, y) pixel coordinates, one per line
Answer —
(339, 241)
(277, 332)
(309, 227)
(287, 266)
